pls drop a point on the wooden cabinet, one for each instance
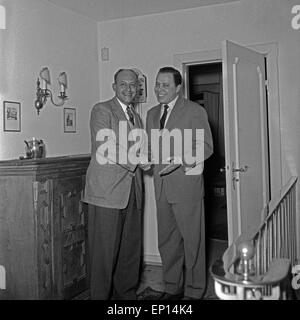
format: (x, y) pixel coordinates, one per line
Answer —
(43, 228)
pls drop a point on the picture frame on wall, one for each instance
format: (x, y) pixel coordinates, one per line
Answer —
(11, 116)
(69, 120)
(141, 96)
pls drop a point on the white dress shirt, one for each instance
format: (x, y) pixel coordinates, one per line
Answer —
(124, 107)
(198, 168)
(171, 106)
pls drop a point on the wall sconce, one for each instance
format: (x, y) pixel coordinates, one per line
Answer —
(42, 92)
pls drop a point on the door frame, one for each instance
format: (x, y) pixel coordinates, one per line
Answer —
(270, 50)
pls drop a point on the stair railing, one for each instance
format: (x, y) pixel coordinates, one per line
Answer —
(274, 249)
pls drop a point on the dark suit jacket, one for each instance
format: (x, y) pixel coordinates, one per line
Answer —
(108, 185)
(179, 186)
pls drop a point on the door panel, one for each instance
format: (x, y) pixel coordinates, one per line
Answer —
(245, 127)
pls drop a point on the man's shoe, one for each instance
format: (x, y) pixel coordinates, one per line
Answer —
(169, 296)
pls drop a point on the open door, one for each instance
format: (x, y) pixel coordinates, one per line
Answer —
(246, 137)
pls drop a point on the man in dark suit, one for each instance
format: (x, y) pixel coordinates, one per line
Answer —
(179, 188)
(114, 193)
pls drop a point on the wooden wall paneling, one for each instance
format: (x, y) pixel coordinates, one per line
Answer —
(43, 228)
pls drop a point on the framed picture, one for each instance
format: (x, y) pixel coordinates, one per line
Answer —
(11, 116)
(69, 120)
(141, 96)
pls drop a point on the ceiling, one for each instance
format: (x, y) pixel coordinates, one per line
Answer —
(101, 10)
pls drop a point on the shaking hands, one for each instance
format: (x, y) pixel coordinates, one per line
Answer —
(145, 165)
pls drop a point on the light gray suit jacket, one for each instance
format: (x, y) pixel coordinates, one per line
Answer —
(178, 186)
(108, 185)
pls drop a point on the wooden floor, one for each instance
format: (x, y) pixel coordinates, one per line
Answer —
(152, 275)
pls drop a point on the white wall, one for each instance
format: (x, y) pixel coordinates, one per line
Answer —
(40, 34)
(149, 42)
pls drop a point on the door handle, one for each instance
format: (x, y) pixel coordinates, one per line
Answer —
(242, 169)
(234, 178)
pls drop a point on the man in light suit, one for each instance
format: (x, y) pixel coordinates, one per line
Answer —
(179, 190)
(114, 193)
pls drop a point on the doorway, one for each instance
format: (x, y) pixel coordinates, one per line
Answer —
(182, 61)
(205, 88)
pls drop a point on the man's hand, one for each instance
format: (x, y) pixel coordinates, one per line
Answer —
(145, 165)
(195, 169)
(174, 163)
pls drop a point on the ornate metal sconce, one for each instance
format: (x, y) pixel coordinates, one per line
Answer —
(42, 92)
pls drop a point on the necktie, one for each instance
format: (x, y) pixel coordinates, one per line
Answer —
(164, 116)
(130, 114)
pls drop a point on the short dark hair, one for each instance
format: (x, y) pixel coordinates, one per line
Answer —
(176, 74)
(120, 70)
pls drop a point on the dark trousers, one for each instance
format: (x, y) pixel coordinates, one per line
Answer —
(115, 243)
(181, 243)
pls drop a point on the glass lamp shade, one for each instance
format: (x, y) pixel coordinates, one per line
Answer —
(62, 79)
(45, 75)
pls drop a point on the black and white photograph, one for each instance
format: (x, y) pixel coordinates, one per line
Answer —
(150, 153)
(142, 90)
(69, 120)
(11, 116)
